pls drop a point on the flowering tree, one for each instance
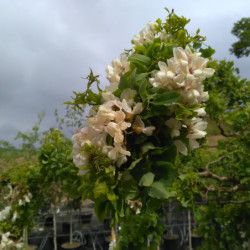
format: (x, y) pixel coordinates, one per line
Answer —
(21, 193)
(151, 110)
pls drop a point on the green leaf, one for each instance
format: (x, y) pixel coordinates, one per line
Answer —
(197, 45)
(100, 190)
(128, 189)
(147, 179)
(140, 58)
(142, 89)
(101, 210)
(111, 195)
(166, 99)
(124, 84)
(134, 163)
(207, 52)
(158, 190)
(146, 147)
(132, 78)
(166, 169)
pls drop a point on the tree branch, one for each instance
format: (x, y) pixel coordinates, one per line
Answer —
(235, 202)
(233, 189)
(223, 132)
(207, 173)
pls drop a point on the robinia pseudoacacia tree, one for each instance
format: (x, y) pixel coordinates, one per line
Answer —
(152, 110)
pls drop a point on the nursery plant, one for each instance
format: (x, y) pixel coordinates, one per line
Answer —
(151, 111)
(20, 191)
(58, 172)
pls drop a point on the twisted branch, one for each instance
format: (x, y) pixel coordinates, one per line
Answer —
(208, 173)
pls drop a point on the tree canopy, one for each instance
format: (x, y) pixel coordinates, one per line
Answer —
(241, 29)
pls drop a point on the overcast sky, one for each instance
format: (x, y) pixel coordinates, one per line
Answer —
(46, 46)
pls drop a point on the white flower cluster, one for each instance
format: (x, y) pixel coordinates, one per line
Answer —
(13, 194)
(7, 243)
(112, 118)
(184, 74)
(146, 34)
(113, 72)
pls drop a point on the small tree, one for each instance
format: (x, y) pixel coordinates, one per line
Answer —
(58, 171)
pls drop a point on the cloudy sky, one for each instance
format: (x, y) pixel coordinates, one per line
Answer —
(46, 46)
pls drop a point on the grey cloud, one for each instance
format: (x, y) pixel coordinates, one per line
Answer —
(47, 46)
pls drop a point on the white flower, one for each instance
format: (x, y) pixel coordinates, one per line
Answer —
(200, 112)
(6, 243)
(20, 245)
(175, 126)
(4, 213)
(15, 216)
(113, 72)
(181, 147)
(196, 127)
(113, 129)
(129, 95)
(139, 127)
(118, 151)
(108, 96)
(112, 245)
(137, 109)
(26, 198)
(146, 34)
(120, 120)
(81, 158)
(20, 202)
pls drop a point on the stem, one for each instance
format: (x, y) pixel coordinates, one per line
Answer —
(170, 218)
(189, 231)
(25, 237)
(148, 243)
(54, 225)
(113, 238)
(71, 227)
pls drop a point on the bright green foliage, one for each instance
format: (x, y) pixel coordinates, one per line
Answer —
(227, 91)
(58, 171)
(224, 227)
(241, 30)
(88, 97)
(141, 232)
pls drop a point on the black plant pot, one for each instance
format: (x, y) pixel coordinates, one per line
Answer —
(171, 242)
(196, 241)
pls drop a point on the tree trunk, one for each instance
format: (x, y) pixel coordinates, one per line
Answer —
(71, 229)
(25, 237)
(189, 231)
(55, 229)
